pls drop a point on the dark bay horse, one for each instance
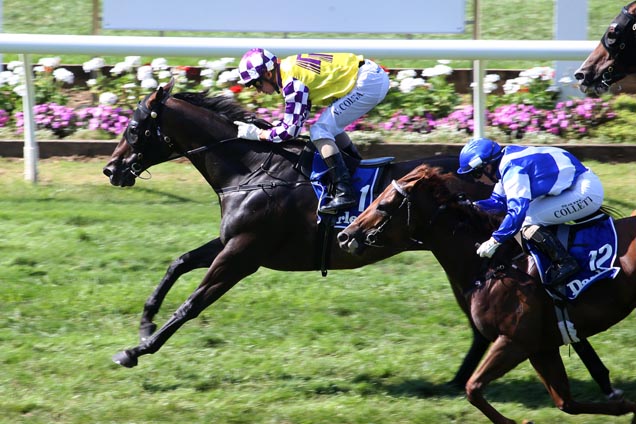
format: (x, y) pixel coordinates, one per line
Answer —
(615, 56)
(268, 210)
(506, 300)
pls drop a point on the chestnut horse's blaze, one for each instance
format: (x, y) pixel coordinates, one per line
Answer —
(509, 304)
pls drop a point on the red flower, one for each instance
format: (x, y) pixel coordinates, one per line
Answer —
(236, 89)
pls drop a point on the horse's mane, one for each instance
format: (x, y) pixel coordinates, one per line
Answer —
(439, 183)
(225, 106)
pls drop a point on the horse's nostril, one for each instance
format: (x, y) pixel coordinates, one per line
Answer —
(108, 172)
(343, 237)
(579, 76)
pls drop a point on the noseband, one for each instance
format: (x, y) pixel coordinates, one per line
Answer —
(371, 238)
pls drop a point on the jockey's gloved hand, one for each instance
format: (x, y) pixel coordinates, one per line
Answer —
(247, 131)
(487, 248)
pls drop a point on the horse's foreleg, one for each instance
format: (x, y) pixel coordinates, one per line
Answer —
(476, 351)
(549, 366)
(230, 266)
(502, 357)
(201, 257)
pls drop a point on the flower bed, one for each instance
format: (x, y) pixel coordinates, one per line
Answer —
(420, 106)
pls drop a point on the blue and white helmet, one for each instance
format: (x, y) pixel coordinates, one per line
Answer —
(478, 153)
(254, 64)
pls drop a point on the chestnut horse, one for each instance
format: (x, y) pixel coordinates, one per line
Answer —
(268, 211)
(615, 56)
(507, 302)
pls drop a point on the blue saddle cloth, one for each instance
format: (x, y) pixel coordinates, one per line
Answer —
(593, 245)
(363, 181)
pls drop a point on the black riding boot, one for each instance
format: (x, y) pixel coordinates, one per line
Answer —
(344, 196)
(563, 265)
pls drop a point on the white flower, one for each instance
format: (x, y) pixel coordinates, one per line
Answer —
(207, 83)
(20, 90)
(149, 83)
(14, 64)
(5, 77)
(544, 72)
(409, 84)
(94, 64)
(437, 70)
(50, 62)
(207, 72)
(64, 75)
(159, 63)
(228, 76)
(132, 61)
(107, 98)
(120, 68)
(488, 87)
(217, 65)
(91, 82)
(405, 73)
(165, 74)
(129, 86)
(144, 72)
(492, 78)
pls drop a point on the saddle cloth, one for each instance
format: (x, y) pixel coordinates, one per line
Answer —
(364, 180)
(593, 244)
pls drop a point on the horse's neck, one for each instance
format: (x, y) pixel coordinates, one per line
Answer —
(455, 249)
(241, 162)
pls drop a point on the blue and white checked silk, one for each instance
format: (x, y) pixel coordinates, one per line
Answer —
(525, 174)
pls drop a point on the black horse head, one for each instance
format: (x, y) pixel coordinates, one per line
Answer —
(615, 56)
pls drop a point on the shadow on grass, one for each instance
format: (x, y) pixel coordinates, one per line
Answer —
(530, 393)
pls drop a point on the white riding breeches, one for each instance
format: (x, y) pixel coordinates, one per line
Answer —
(582, 199)
(371, 87)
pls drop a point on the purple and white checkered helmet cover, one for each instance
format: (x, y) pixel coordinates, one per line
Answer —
(254, 64)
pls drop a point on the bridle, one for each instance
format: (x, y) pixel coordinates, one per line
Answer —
(134, 138)
(371, 237)
(620, 35)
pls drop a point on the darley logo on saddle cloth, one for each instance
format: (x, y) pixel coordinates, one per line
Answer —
(364, 180)
(593, 246)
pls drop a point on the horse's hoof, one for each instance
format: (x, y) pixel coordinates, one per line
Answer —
(146, 330)
(125, 359)
(617, 394)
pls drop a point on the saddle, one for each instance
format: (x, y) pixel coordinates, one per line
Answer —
(364, 176)
(593, 243)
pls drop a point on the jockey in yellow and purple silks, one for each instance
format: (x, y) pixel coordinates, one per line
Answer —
(347, 84)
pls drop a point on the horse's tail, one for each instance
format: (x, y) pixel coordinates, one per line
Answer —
(613, 212)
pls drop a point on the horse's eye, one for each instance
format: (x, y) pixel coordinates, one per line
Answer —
(383, 208)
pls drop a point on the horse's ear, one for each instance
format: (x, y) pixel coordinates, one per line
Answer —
(168, 87)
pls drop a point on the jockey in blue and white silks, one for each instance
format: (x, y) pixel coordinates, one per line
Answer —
(535, 187)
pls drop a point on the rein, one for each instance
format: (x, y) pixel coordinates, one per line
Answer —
(132, 137)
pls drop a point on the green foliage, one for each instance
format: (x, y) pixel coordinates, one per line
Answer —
(434, 97)
(620, 129)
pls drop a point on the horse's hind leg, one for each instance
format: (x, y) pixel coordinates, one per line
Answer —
(200, 257)
(597, 369)
(549, 366)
